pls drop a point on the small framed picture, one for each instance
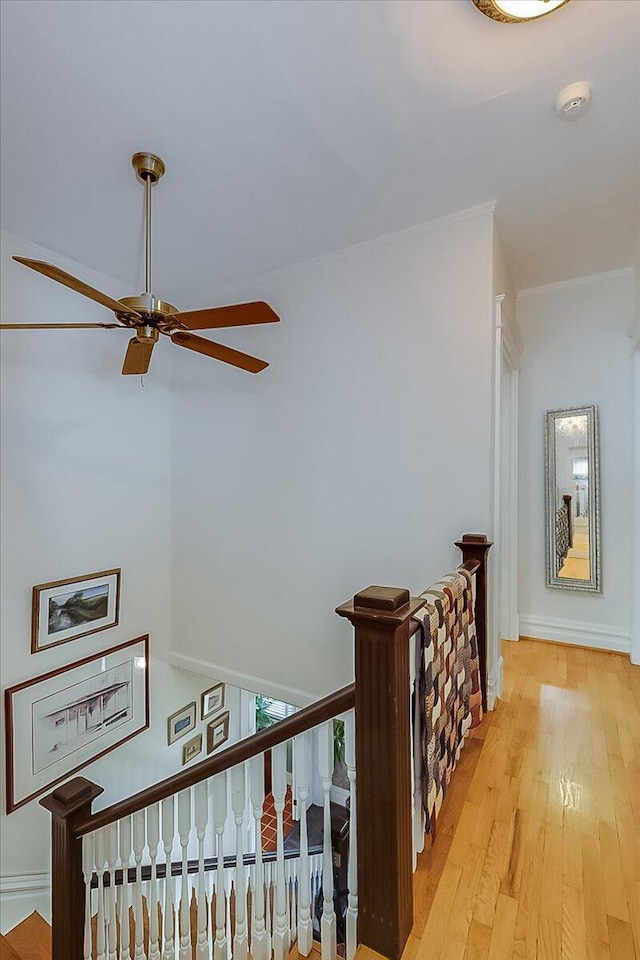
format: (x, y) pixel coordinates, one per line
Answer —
(192, 748)
(67, 609)
(212, 701)
(181, 722)
(217, 732)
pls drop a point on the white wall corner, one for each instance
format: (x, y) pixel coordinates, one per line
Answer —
(495, 683)
(613, 639)
(634, 651)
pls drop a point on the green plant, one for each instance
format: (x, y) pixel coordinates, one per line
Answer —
(263, 717)
(338, 743)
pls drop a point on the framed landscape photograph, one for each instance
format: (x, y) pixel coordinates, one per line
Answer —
(212, 701)
(217, 732)
(191, 749)
(59, 722)
(181, 722)
(67, 609)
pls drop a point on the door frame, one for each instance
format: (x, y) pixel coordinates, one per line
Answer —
(504, 619)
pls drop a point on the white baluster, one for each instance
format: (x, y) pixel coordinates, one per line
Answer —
(219, 785)
(87, 872)
(279, 779)
(288, 873)
(168, 918)
(239, 805)
(352, 870)
(201, 818)
(111, 844)
(100, 858)
(184, 829)
(138, 913)
(124, 830)
(260, 948)
(328, 936)
(302, 754)
(268, 908)
(153, 839)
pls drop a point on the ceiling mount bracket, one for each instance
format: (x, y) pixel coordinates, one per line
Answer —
(147, 167)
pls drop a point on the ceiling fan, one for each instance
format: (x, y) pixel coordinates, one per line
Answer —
(148, 316)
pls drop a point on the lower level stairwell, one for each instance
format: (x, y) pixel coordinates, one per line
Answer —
(183, 869)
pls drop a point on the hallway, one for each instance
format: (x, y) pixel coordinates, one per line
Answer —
(538, 849)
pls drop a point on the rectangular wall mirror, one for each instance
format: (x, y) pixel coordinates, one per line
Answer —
(572, 468)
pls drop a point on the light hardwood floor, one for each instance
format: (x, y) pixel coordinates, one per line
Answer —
(538, 850)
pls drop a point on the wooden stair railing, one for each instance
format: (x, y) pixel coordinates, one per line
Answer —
(379, 890)
(72, 820)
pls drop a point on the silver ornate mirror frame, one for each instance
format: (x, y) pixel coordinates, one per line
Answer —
(593, 584)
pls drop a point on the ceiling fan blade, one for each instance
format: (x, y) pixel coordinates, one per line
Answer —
(219, 352)
(55, 273)
(236, 315)
(62, 326)
(138, 356)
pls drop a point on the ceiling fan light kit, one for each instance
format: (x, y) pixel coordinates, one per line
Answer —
(148, 316)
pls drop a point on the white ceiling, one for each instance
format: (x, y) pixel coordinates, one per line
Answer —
(291, 128)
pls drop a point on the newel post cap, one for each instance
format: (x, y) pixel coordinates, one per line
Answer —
(387, 607)
(474, 545)
(71, 797)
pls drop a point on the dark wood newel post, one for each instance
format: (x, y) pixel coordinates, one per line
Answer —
(381, 617)
(475, 546)
(66, 804)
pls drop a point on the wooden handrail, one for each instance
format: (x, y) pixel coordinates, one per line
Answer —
(319, 712)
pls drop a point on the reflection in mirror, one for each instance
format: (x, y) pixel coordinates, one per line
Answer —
(572, 499)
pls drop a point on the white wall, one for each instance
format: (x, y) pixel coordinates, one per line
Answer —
(356, 458)
(577, 352)
(85, 487)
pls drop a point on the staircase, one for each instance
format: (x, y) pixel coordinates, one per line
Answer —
(30, 940)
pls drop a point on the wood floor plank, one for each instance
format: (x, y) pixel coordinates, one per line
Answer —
(549, 939)
(620, 940)
(504, 928)
(574, 935)
(478, 943)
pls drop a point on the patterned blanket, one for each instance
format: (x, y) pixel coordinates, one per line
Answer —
(449, 698)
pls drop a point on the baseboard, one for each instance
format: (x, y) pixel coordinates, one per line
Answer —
(494, 683)
(268, 688)
(589, 635)
(20, 895)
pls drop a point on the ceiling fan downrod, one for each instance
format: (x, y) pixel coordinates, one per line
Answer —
(149, 169)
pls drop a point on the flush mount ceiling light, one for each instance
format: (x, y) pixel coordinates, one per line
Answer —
(517, 11)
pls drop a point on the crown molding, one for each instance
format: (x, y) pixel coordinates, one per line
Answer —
(427, 226)
(575, 282)
(245, 681)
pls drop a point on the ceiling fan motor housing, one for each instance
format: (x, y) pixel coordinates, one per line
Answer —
(147, 167)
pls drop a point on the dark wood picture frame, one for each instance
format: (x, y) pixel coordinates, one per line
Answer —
(222, 720)
(204, 714)
(188, 708)
(9, 697)
(36, 640)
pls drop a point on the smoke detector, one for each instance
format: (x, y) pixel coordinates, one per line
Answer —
(573, 100)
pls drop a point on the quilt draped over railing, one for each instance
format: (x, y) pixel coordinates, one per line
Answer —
(448, 690)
